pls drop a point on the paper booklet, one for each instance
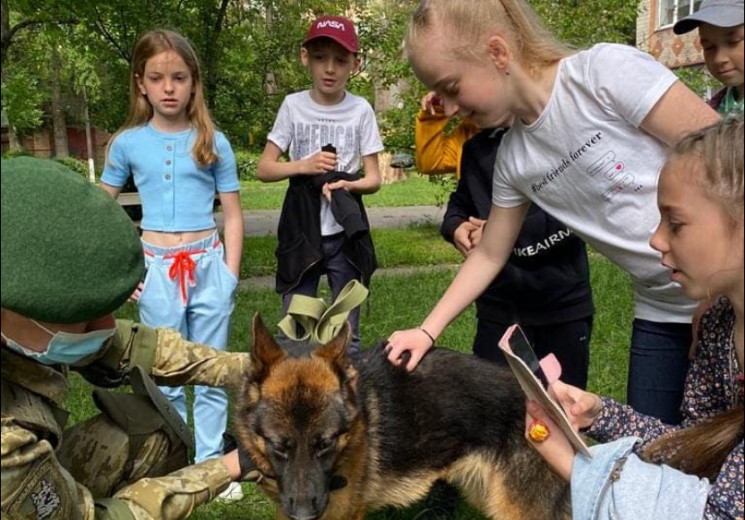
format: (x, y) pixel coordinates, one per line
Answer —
(534, 381)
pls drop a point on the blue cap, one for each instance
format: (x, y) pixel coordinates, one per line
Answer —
(720, 13)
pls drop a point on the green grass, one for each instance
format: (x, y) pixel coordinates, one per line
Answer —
(402, 301)
(416, 245)
(417, 190)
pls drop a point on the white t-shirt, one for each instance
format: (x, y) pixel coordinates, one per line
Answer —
(303, 127)
(587, 163)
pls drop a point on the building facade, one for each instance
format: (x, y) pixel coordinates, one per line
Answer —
(654, 32)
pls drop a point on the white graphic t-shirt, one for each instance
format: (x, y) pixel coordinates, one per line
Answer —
(587, 163)
(303, 127)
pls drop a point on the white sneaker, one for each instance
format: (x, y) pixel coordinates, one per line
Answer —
(232, 493)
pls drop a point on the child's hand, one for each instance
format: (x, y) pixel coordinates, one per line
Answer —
(330, 187)
(432, 104)
(556, 449)
(581, 407)
(462, 238)
(414, 341)
(138, 292)
(319, 163)
(478, 230)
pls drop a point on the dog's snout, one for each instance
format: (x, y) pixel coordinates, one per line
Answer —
(304, 509)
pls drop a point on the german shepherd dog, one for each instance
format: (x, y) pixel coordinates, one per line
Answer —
(335, 439)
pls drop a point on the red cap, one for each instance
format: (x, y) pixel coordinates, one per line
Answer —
(337, 28)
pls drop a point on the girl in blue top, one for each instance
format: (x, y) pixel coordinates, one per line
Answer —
(178, 159)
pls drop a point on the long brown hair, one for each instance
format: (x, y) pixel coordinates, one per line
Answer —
(702, 449)
(151, 44)
(470, 22)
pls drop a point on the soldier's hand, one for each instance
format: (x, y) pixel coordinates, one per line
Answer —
(241, 466)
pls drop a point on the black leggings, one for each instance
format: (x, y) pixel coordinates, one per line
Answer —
(569, 342)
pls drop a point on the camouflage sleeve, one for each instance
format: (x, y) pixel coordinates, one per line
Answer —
(179, 362)
(167, 357)
(35, 485)
(175, 496)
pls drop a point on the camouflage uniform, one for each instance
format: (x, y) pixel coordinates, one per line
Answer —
(49, 476)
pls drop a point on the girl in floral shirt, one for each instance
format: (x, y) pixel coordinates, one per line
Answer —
(701, 240)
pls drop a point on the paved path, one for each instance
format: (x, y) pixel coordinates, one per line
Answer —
(259, 223)
(267, 282)
(264, 222)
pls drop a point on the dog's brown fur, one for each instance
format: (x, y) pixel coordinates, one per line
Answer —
(335, 441)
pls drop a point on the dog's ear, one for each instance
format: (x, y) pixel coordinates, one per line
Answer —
(265, 352)
(335, 351)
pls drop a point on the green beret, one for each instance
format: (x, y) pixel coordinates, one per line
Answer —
(69, 251)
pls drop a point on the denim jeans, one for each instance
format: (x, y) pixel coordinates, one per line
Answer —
(201, 313)
(658, 367)
(339, 272)
(569, 342)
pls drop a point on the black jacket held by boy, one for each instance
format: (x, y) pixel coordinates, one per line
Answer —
(299, 234)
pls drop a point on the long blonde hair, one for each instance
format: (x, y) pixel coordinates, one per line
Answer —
(702, 449)
(151, 44)
(470, 22)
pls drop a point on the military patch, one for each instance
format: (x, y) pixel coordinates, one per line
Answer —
(47, 493)
(46, 500)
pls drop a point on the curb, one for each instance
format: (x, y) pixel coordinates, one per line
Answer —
(257, 283)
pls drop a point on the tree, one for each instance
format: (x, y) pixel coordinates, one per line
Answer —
(28, 14)
(248, 50)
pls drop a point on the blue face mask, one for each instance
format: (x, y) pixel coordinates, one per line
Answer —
(65, 348)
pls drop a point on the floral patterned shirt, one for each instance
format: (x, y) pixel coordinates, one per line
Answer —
(714, 385)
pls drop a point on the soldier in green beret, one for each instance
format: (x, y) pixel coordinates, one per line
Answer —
(70, 257)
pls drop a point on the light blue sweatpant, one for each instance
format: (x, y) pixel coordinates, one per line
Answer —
(191, 289)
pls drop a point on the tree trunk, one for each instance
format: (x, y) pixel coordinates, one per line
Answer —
(14, 144)
(270, 78)
(59, 121)
(211, 62)
(388, 174)
(387, 98)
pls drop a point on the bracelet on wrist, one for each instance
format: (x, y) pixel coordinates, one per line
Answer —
(430, 336)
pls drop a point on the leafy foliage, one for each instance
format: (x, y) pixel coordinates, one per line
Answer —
(698, 79)
(246, 163)
(75, 165)
(249, 53)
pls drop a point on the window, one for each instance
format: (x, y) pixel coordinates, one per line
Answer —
(673, 10)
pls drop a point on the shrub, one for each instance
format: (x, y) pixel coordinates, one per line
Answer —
(698, 79)
(15, 153)
(77, 165)
(246, 163)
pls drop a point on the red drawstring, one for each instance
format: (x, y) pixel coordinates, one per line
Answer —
(183, 268)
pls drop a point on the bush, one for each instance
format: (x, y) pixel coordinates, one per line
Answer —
(15, 153)
(246, 163)
(77, 165)
(698, 79)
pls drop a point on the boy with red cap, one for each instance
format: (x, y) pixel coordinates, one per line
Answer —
(328, 134)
